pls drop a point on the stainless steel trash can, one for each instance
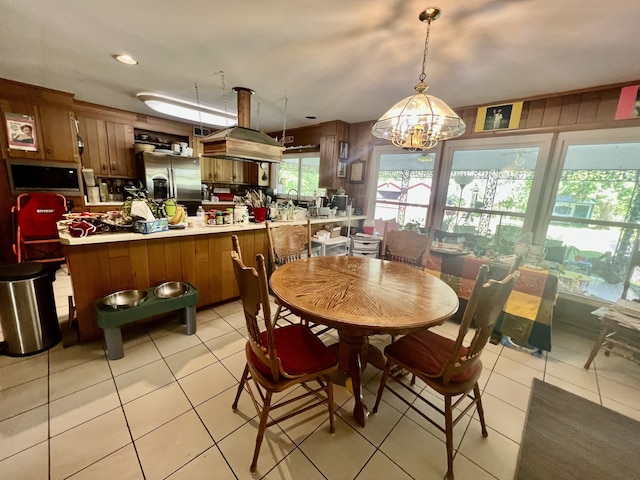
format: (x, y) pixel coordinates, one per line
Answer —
(28, 315)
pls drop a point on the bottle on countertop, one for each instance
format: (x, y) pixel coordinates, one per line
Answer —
(200, 215)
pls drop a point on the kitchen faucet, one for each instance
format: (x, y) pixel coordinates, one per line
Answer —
(297, 195)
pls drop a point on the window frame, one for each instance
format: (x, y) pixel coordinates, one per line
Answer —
(542, 141)
(380, 150)
(314, 154)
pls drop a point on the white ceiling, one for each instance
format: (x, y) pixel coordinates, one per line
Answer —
(334, 59)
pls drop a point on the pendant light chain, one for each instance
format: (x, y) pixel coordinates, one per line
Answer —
(284, 119)
(199, 109)
(224, 97)
(258, 116)
(423, 75)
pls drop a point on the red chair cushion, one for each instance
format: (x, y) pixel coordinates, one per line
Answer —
(300, 351)
(428, 352)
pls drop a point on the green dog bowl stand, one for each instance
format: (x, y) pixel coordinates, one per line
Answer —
(110, 320)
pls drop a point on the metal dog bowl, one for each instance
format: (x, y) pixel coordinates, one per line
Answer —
(124, 299)
(171, 289)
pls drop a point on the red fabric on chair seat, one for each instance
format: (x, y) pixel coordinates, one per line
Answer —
(428, 352)
(299, 350)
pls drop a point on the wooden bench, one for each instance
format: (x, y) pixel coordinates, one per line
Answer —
(110, 320)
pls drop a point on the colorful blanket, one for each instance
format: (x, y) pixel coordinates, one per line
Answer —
(529, 309)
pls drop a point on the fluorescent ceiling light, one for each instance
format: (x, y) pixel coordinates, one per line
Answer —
(187, 110)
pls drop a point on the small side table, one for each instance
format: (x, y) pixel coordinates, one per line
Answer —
(332, 246)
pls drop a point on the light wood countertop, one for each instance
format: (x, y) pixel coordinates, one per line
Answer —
(67, 239)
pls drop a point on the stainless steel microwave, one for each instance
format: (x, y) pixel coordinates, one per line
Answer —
(27, 175)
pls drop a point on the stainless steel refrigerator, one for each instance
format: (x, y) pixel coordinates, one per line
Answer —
(170, 176)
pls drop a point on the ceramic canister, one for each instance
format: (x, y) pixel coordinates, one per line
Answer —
(241, 214)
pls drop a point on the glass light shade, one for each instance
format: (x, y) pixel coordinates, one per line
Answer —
(187, 110)
(419, 122)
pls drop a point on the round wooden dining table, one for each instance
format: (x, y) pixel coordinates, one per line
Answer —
(362, 296)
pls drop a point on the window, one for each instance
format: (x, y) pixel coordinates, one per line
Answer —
(299, 172)
(403, 186)
(581, 200)
(597, 181)
(491, 185)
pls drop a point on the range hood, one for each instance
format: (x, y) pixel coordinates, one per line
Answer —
(241, 142)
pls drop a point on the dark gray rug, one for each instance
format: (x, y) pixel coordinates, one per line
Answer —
(569, 437)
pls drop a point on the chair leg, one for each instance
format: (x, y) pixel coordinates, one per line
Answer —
(264, 416)
(478, 400)
(330, 404)
(245, 374)
(596, 346)
(448, 423)
(383, 383)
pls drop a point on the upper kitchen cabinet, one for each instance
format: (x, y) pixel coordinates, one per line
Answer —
(207, 169)
(121, 158)
(235, 172)
(52, 130)
(108, 147)
(332, 133)
(225, 171)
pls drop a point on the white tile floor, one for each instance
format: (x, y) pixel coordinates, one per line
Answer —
(164, 411)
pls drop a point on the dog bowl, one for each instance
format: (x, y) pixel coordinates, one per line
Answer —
(124, 299)
(171, 290)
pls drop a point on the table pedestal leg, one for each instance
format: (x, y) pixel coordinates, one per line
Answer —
(351, 353)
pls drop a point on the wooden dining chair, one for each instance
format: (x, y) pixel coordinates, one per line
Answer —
(449, 367)
(286, 244)
(406, 246)
(614, 337)
(279, 359)
(236, 246)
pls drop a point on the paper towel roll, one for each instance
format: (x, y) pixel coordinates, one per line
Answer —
(89, 179)
(93, 193)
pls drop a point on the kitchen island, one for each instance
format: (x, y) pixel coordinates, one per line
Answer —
(108, 262)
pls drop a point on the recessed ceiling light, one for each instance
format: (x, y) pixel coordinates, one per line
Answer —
(188, 110)
(128, 59)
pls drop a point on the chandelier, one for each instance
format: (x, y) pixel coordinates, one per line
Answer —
(420, 121)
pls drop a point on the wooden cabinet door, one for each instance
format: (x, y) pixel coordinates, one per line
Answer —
(332, 134)
(328, 161)
(58, 133)
(121, 140)
(246, 173)
(224, 170)
(21, 108)
(207, 169)
(95, 154)
(54, 131)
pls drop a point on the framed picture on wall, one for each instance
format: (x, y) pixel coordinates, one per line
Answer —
(343, 154)
(21, 132)
(628, 103)
(342, 169)
(357, 172)
(499, 117)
